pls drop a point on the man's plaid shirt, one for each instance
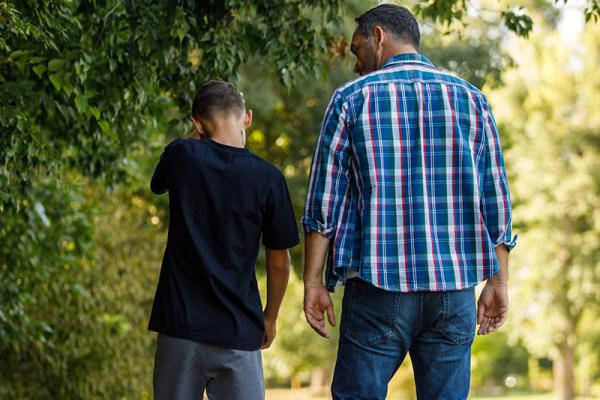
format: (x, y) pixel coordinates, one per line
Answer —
(408, 181)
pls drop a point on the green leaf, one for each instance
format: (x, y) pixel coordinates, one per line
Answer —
(16, 54)
(56, 64)
(519, 23)
(39, 70)
(104, 126)
(56, 80)
(36, 60)
(94, 111)
(81, 104)
(68, 87)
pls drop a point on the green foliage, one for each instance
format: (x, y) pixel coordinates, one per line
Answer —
(550, 111)
(83, 86)
(516, 19)
(80, 80)
(474, 54)
(592, 11)
(518, 22)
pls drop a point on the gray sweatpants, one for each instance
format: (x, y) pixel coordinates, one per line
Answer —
(184, 369)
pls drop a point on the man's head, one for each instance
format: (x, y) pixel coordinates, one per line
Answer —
(219, 105)
(382, 32)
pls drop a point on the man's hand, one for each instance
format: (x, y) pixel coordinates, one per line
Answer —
(270, 333)
(317, 302)
(492, 306)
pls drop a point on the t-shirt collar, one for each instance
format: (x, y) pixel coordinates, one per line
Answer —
(407, 58)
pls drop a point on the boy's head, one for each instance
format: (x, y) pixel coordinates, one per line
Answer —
(219, 105)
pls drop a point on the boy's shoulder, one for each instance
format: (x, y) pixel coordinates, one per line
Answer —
(266, 172)
(255, 163)
(265, 166)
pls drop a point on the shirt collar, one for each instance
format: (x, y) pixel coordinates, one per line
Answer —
(407, 58)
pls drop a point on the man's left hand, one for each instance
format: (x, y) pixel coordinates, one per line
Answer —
(492, 307)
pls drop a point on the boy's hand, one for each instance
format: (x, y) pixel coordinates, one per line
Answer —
(270, 333)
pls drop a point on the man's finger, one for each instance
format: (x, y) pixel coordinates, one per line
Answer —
(480, 313)
(315, 315)
(330, 315)
(317, 323)
(491, 328)
(500, 320)
(484, 325)
(318, 326)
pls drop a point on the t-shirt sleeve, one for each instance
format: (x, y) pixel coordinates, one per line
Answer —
(160, 182)
(279, 225)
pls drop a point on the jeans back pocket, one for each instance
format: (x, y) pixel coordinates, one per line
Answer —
(459, 316)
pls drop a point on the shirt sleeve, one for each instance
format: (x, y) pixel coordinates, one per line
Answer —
(329, 175)
(159, 183)
(279, 225)
(497, 208)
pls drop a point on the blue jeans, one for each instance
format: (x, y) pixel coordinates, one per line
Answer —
(379, 327)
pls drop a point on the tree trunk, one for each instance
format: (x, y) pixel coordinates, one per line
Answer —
(317, 380)
(564, 370)
(296, 382)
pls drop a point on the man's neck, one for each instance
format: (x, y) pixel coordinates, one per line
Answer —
(396, 50)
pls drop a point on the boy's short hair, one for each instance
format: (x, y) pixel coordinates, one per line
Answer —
(217, 98)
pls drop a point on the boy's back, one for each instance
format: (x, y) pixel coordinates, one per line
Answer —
(221, 199)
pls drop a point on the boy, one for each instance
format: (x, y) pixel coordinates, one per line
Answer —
(207, 309)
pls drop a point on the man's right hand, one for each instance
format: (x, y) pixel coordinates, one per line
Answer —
(317, 302)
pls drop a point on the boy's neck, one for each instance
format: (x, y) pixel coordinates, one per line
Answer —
(227, 132)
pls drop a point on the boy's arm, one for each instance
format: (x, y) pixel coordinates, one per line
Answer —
(158, 184)
(162, 178)
(278, 273)
(279, 234)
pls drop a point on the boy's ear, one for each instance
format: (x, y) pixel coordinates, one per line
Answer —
(200, 132)
(247, 119)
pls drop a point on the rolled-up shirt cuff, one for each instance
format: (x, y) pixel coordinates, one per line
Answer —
(507, 241)
(312, 225)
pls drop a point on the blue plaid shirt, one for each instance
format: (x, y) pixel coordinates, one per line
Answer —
(408, 181)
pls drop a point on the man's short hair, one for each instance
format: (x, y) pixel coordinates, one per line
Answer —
(217, 98)
(393, 19)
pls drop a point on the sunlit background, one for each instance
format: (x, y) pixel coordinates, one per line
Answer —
(74, 313)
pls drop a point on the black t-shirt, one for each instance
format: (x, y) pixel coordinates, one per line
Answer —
(221, 200)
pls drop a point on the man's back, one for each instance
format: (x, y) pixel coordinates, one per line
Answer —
(221, 199)
(417, 194)
(409, 193)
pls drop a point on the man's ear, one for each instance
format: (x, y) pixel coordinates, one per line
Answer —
(379, 36)
(247, 119)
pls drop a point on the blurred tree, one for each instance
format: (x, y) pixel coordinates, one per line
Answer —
(550, 112)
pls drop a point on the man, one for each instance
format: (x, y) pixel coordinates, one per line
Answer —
(207, 309)
(409, 197)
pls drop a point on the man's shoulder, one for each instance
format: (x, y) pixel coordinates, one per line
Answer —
(403, 76)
